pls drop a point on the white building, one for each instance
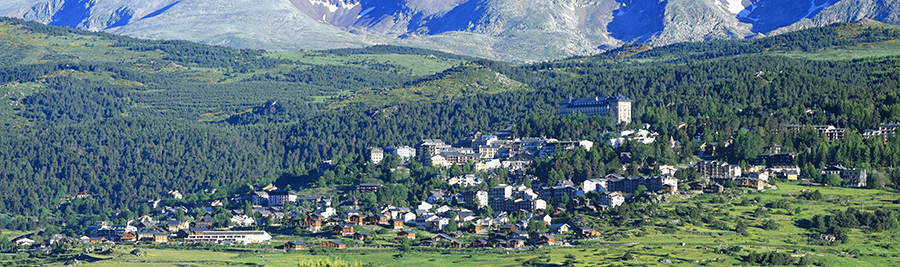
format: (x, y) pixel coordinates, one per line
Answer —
(229, 237)
(242, 220)
(618, 107)
(758, 175)
(376, 155)
(424, 207)
(488, 165)
(612, 200)
(404, 152)
(438, 160)
(465, 180)
(667, 170)
(593, 185)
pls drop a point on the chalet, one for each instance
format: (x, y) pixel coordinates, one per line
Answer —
(407, 234)
(441, 238)
(547, 240)
(507, 228)
(456, 244)
(518, 235)
(559, 228)
(362, 236)
(333, 221)
(480, 243)
(345, 230)
(333, 244)
(515, 243)
(378, 219)
(497, 235)
(356, 219)
(397, 224)
(128, 237)
(295, 245)
(146, 236)
(316, 216)
(160, 237)
(175, 225)
(474, 228)
(791, 174)
(314, 225)
(716, 189)
(698, 186)
(586, 231)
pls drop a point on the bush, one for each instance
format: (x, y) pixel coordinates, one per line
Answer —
(833, 180)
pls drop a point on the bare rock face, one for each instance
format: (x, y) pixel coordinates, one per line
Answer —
(510, 30)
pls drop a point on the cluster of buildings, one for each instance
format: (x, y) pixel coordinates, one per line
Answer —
(169, 231)
(770, 165)
(831, 133)
(883, 130)
(486, 152)
(499, 149)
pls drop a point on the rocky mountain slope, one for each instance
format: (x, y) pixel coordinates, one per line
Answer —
(509, 30)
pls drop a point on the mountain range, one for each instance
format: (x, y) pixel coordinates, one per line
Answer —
(507, 30)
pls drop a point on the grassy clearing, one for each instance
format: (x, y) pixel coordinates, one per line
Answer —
(464, 81)
(879, 49)
(417, 64)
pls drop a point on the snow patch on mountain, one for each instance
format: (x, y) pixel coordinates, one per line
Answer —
(333, 7)
(732, 6)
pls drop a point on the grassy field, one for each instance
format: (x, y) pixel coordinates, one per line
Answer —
(417, 64)
(460, 82)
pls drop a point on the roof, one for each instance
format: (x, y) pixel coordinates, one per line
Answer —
(297, 243)
(572, 100)
(335, 242)
(279, 193)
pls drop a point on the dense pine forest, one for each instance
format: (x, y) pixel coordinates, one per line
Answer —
(129, 120)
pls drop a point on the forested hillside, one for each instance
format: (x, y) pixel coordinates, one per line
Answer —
(129, 119)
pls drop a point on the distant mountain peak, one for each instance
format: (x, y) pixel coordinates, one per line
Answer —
(509, 30)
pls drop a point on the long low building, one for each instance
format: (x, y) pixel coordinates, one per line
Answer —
(229, 237)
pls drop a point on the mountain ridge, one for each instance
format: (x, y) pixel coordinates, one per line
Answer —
(496, 29)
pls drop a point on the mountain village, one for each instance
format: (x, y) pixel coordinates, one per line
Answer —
(522, 212)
